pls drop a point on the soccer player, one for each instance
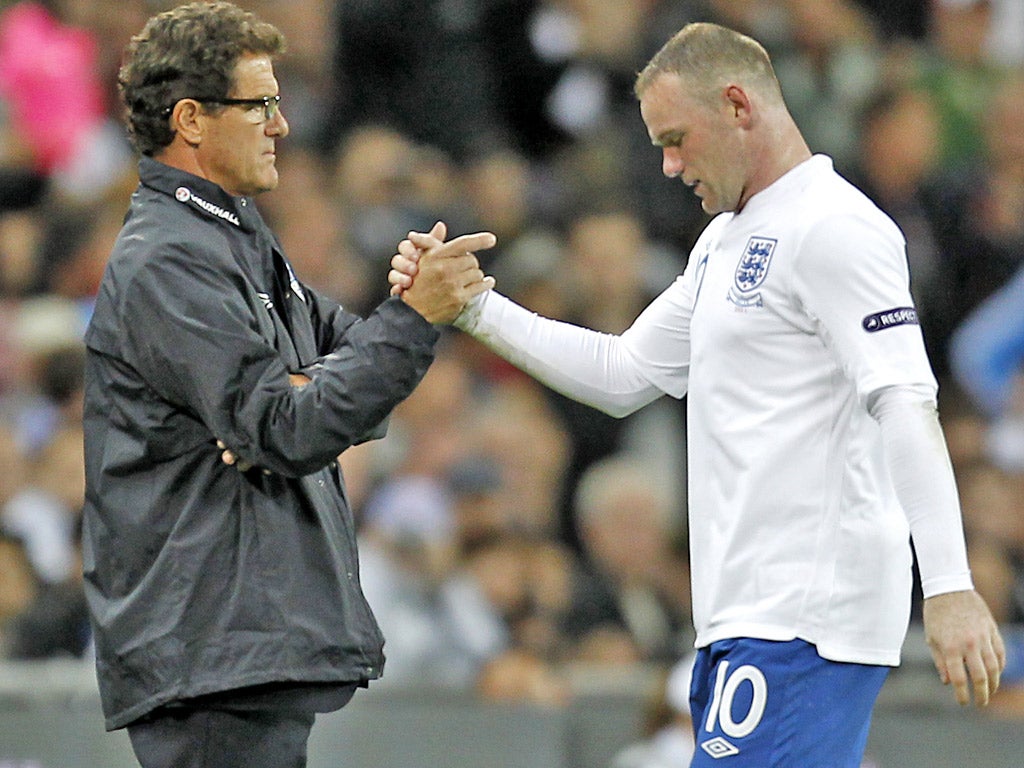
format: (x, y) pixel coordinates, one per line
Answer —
(815, 450)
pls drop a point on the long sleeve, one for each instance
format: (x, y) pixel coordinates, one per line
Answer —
(922, 475)
(597, 369)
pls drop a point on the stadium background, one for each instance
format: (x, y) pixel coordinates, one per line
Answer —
(526, 555)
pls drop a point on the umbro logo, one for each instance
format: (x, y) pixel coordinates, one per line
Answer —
(719, 748)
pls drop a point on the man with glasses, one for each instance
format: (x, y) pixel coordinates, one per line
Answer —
(225, 599)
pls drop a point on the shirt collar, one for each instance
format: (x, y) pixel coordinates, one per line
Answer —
(199, 194)
(794, 179)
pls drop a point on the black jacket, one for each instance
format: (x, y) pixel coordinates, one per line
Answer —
(201, 578)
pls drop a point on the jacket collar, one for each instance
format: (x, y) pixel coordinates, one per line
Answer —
(204, 196)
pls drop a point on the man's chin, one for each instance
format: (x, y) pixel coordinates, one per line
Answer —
(268, 183)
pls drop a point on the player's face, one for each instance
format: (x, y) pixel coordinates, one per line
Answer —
(238, 145)
(698, 142)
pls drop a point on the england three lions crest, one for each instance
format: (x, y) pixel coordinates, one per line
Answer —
(752, 270)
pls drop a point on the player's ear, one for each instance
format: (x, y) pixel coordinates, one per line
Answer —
(738, 103)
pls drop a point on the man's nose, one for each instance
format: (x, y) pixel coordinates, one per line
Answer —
(671, 165)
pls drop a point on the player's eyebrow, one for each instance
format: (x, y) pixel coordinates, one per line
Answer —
(667, 139)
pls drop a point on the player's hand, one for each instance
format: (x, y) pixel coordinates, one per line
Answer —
(966, 644)
(445, 275)
(405, 263)
(230, 458)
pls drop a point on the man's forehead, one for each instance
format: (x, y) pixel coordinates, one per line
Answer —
(255, 70)
(667, 97)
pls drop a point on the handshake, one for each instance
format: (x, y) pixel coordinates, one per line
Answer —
(436, 278)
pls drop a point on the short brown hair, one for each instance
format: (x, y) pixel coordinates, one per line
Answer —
(188, 52)
(704, 55)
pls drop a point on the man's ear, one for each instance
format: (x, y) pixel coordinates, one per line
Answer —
(739, 103)
(186, 119)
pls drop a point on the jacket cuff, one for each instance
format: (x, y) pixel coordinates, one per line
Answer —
(411, 321)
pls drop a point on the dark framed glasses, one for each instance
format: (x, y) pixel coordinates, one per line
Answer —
(269, 104)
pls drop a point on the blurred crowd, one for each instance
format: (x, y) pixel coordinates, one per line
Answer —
(510, 536)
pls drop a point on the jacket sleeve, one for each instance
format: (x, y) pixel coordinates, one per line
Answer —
(195, 341)
(330, 320)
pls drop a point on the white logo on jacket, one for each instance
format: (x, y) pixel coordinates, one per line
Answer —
(186, 195)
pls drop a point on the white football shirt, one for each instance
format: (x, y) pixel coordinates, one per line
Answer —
(788, 316)
(792, 319)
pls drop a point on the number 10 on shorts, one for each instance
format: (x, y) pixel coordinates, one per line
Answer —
(720, 713)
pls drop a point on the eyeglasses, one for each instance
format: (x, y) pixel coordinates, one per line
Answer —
(269, 104)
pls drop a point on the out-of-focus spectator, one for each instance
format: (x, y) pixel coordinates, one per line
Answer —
(21, 236)
(964, 427)
(45, 513)
(43, 509)
(987, 351)
(1005, 42)
(54, 624)
(18, 584)
(521, 676)
(78, 246)
(667, 728)
(419, 67)
(504, 197)
(12, 459)
(388, 184)
(980, 211)
(958, 71)
(899, 20)
(530, 270)
(599, 44)
(828, 67)
(517, 430)
(636, 548)
(992, 501)
(763, 19)
(475, 484)
(898, 160)
(60, 112)
(56, 620)
(437, 634)
(616, 271)
(314, 230)
(42, 603)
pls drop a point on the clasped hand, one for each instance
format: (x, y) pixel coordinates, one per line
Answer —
(436, 278)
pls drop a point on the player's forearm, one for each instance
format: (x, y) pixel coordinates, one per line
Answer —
(593, 368)
(922, 475)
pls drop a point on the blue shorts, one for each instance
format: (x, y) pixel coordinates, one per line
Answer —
(764, 704)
